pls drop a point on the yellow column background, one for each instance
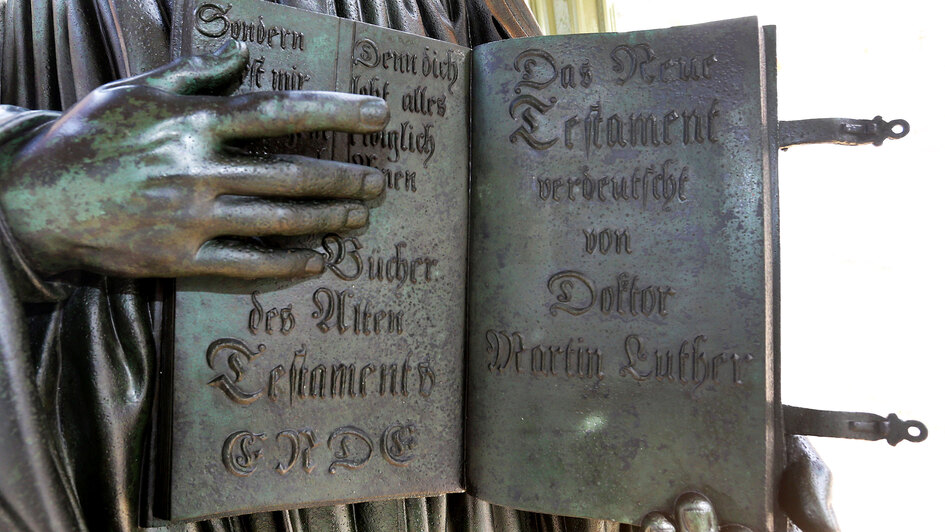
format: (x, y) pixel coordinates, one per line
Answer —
(560, 17)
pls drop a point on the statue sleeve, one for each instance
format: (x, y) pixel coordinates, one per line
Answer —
(36, 492)
(17, 126)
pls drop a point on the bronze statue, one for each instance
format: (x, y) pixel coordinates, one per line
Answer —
(127, 183)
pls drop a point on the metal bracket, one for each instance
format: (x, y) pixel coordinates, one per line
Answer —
(852, 425)
(846, 131)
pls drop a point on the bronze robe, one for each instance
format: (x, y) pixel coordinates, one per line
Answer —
(77, 369)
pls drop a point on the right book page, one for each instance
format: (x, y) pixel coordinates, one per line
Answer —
(621, 289)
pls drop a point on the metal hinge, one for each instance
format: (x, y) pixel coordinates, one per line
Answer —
(847, 131)
(852, 425)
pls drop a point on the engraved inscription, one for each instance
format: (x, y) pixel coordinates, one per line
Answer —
(302, 381)
(352, 446)
(343, 258)
(280, 79)
(342, 311)
(404, 138)
(417, 101)
(241, 453)
(289, 80)
(687, 365)
(641, 62)
(213, 21)
(540, 69)
(400, 179)
(527, 132)
(301, 443)
(598, 127)
(528, 63)
(337, 250)
(607, 241)
(577, 294)
(573, 360)
(341, 380)
(421, 85)
(397, 442)
(661, 185)
(398, 140)
(280, 353)
(367, 54)
(281, 320)
(308, 462)
(237, 353)
(292, 436)
(400, 268)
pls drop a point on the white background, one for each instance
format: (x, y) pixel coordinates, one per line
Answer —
(862, 290)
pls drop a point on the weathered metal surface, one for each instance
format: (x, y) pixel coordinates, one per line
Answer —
(346, 387)
(621, 332)
(845, 131)
(852, 425)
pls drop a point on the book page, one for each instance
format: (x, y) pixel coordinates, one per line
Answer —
(347, 386)
(621, 340)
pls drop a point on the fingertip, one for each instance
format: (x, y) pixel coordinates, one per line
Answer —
(242, 260)
(357, 217)
(373, 183)
(657, 522)
(694, 513)
(233, 52)
(693, 499)
(229, 47)
(374, 113)
(315, 265)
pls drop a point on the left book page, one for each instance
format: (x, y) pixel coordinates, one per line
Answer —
(348, 386)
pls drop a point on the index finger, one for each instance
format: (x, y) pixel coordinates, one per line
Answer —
(273, 114)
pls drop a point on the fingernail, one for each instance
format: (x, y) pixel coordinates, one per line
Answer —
(374, 113)
(315, 265)
(694, 513)
(373, 183)
(657, 522)
(357, 217)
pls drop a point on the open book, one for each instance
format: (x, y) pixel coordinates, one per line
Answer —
(565, 303)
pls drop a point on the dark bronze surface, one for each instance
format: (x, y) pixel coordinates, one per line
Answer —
(852, 425)
(845, 131)
(621, 346)
(78, 374)
(346, 387)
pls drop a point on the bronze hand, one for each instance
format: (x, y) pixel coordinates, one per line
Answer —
(137, 179)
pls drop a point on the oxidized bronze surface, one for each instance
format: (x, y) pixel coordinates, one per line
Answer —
(152, 175)
(348, 386)
(621, 340)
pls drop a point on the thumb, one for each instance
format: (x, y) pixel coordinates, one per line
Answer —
(805, 488)
(217, 73)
